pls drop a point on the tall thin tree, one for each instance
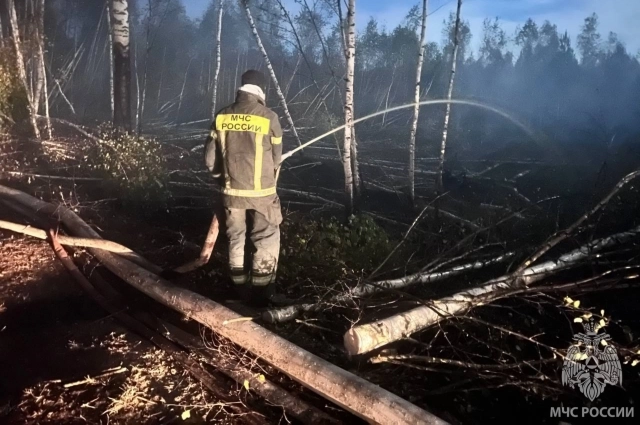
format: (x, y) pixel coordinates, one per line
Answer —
(150, 37)
(111, 65)
(416, 99)
(344, 35)
(122, 64)
(350, 52)
(43, 89)
(454, 57)
(272, 73)
(216, 75)
(320, 91)
(1, 32)
(22, 72)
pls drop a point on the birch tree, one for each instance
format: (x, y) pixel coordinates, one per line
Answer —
(1, 32)
(346, 45)
(121, 64)
(216, 75)
(111, 65)
(416, 108)
(22, 72)
(272, 73)
(42, 89)
(447, 114)
(350, 51)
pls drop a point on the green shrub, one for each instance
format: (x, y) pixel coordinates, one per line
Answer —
(328, 249)
(133, 168)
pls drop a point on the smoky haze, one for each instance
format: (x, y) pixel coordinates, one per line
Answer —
(577, 94)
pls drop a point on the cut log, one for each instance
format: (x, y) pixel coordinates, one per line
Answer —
(358, 396)
(364, 338)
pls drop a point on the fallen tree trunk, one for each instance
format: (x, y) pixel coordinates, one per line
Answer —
(285, 314)
(349, 391)
(271, 392)
(364, 338)
(82, 242)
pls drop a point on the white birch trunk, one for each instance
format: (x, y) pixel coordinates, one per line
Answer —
(272, 73)
(350, 52)
(122, 63)
(344, 38)
(364, 338)
(447, 114)
(416, 108)
(1, 33)
(35, 67)
(216, 75)
(135, 72)
(355, 167)
(22, 72)
(42, 80)
(110, 49)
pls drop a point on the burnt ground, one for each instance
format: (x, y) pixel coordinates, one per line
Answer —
(64, 360)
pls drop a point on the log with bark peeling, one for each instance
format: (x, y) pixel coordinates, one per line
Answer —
(349, 391)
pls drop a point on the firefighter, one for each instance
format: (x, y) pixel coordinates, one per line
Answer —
(243, 152)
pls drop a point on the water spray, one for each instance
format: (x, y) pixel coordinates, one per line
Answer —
(411, 105)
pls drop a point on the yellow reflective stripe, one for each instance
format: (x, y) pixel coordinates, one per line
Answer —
(242, 122)
(257, 167)
(249, 193)
(276, 140)
(223, 148)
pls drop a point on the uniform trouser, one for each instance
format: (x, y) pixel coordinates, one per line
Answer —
(265, 237)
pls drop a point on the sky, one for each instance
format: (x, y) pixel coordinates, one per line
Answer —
(620, 16)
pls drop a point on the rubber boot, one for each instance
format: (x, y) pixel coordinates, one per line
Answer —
(240, 280)
(263, 287)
